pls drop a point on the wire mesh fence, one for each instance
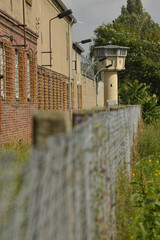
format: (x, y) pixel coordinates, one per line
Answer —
(69, 189)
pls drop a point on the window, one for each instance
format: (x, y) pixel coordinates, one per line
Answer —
(111, 52)
(16, 75)
(99, 52)
(2, 55)
(123, 52)
(67, 44)
(79, 96)
(74, 65)
(31, 77)
(72, 87)
(28, 78)
(6, 70)
(20, 82)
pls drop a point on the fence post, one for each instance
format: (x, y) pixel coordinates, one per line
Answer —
(47, 123)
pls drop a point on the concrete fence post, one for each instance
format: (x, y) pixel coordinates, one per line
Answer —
(47, 123)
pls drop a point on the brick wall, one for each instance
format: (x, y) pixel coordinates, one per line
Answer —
(53, 90)
(16, 114)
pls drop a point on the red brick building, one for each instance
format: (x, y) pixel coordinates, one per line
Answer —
(18, 83)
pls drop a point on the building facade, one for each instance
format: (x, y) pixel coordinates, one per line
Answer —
(86, 93)
(35, 63)
(39, 66)
(18, 67)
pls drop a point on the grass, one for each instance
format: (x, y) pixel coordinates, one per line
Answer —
(138, 205)
(14, 158)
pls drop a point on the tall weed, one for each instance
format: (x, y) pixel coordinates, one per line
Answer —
(138, 204)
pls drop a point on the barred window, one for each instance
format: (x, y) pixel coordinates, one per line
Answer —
(28, 78)
(16, 75)
(6, 70)
(123, 52)
(111, 52)
(31, 77)
(79, 96)
(2, 55)
(72, 86)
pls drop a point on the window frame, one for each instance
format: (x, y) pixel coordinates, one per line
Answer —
(16, 75)
(2, 55)
(28, 79)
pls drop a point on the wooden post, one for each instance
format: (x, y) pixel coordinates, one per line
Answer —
(47, 123)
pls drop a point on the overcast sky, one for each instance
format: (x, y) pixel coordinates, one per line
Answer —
(92, 13)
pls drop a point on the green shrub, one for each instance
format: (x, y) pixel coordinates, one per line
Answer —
(139, 93)
(139, 200)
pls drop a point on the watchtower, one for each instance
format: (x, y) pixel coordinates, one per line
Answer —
(116, 55)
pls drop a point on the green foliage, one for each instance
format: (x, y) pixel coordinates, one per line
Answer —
(124, 211)
(134, 6)
(131, 93)
(135, 28)
(135, 93)
(14, 163)
(139, 203)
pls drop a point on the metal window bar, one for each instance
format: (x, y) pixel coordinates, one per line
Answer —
(68, 96)
(61, 93)
(2, 58)
(22, 74)
(73, 102)
(16, 75)
(54, 92)
(58, 93)
(50, 95)
(33, 71)
(45, 79)
(40, 91)
(28, 78)
(64, 95)
(7, 87)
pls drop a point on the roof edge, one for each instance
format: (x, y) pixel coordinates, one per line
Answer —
(112, 47)
(77, 46)
(63, 6)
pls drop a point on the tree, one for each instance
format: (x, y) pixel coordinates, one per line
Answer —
(134, 6)
(139, 93)
(135, 29)
(131, 6)
(139, 7)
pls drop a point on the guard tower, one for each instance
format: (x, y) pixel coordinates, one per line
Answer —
(116, 56)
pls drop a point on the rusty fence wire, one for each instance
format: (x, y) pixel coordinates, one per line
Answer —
(87, 67)
(69, 188)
